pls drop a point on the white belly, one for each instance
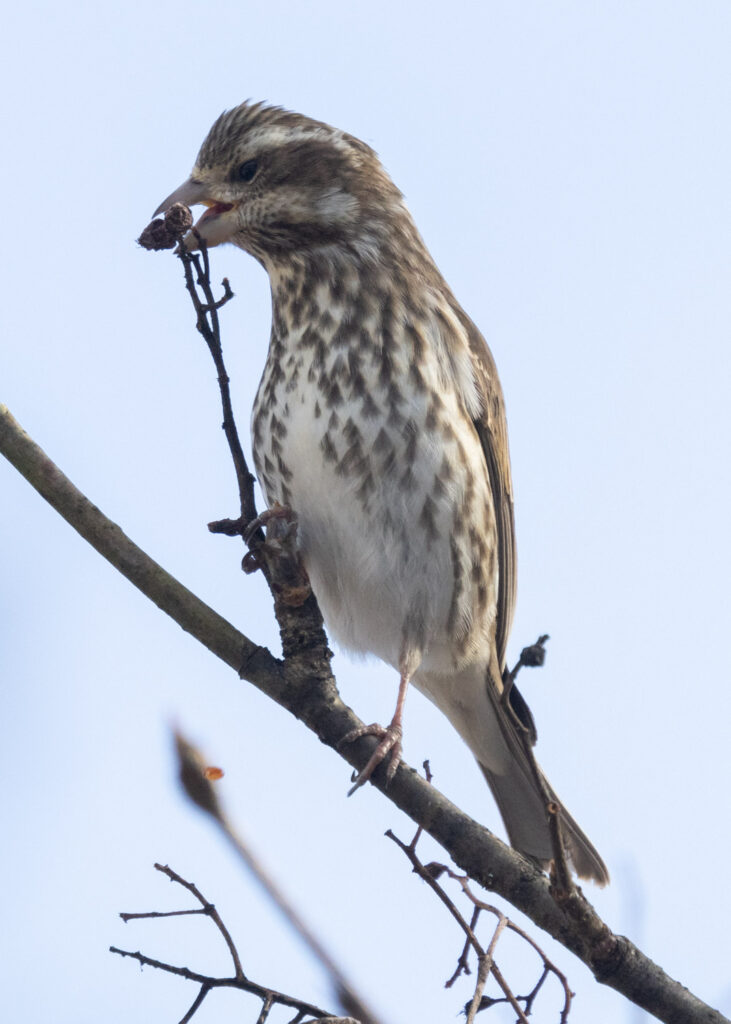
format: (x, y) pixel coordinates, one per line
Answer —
(381, 510)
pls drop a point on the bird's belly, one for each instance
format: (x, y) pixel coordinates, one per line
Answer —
(396, 526)
(382, 588)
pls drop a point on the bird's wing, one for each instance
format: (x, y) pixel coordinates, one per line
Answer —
(492, 430)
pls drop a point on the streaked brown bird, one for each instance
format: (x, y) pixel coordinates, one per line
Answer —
(380, 421)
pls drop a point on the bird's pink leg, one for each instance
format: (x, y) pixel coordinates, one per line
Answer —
(390, 745)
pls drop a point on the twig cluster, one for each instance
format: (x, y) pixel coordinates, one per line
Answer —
(485, 955)
(196, 781)
(269, 997)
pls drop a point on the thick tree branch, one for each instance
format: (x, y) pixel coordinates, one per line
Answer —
(303, 683)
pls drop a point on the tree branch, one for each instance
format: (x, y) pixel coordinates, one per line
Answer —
(304, 685)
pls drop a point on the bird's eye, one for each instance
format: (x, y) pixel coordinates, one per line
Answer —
(247, 170)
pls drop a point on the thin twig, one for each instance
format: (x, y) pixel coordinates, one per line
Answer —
(269, 997)
(463, 966)
(208, 325)
(239, 983)
(548, 965)
(430, 873)
(210, 910)
(163, 913)
(202, 993)
(266, 1007)
(184, 972)
(485, 965)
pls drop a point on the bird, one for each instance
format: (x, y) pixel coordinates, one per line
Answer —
(380, 422)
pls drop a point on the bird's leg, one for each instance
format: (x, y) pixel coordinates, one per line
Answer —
(276, 511)
(390, 737)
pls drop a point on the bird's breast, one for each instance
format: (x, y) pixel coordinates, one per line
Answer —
(363, 438)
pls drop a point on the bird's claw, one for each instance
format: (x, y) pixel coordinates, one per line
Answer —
(264, 518)
(390, 747)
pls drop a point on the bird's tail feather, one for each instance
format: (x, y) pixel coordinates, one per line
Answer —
(522, 791)
(501, 739)
(523, 810)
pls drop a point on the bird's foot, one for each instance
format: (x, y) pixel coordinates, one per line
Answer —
(278, 555)
(389, 747)
(277, 511)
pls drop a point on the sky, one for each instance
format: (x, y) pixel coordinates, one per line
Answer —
(568, 164)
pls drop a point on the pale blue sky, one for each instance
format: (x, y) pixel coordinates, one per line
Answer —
(569, 166)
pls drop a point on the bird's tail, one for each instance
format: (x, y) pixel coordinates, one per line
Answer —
(501, 738)
(523, 809)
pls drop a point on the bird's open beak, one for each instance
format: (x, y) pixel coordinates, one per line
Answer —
(213, 226)
(190, 193)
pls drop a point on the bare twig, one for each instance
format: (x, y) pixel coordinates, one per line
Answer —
(208, 325)
(277, 556)
(202, 993)
(164, 913)
(167, 233)
(463, 966)
(210, 910)
(269, 997)
(268, 1003)
(430, 873)
(485, 965)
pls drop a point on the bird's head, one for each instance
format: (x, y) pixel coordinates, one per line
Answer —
(278, 183)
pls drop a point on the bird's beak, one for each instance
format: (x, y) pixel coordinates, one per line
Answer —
(190, 193)
(214, 226)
